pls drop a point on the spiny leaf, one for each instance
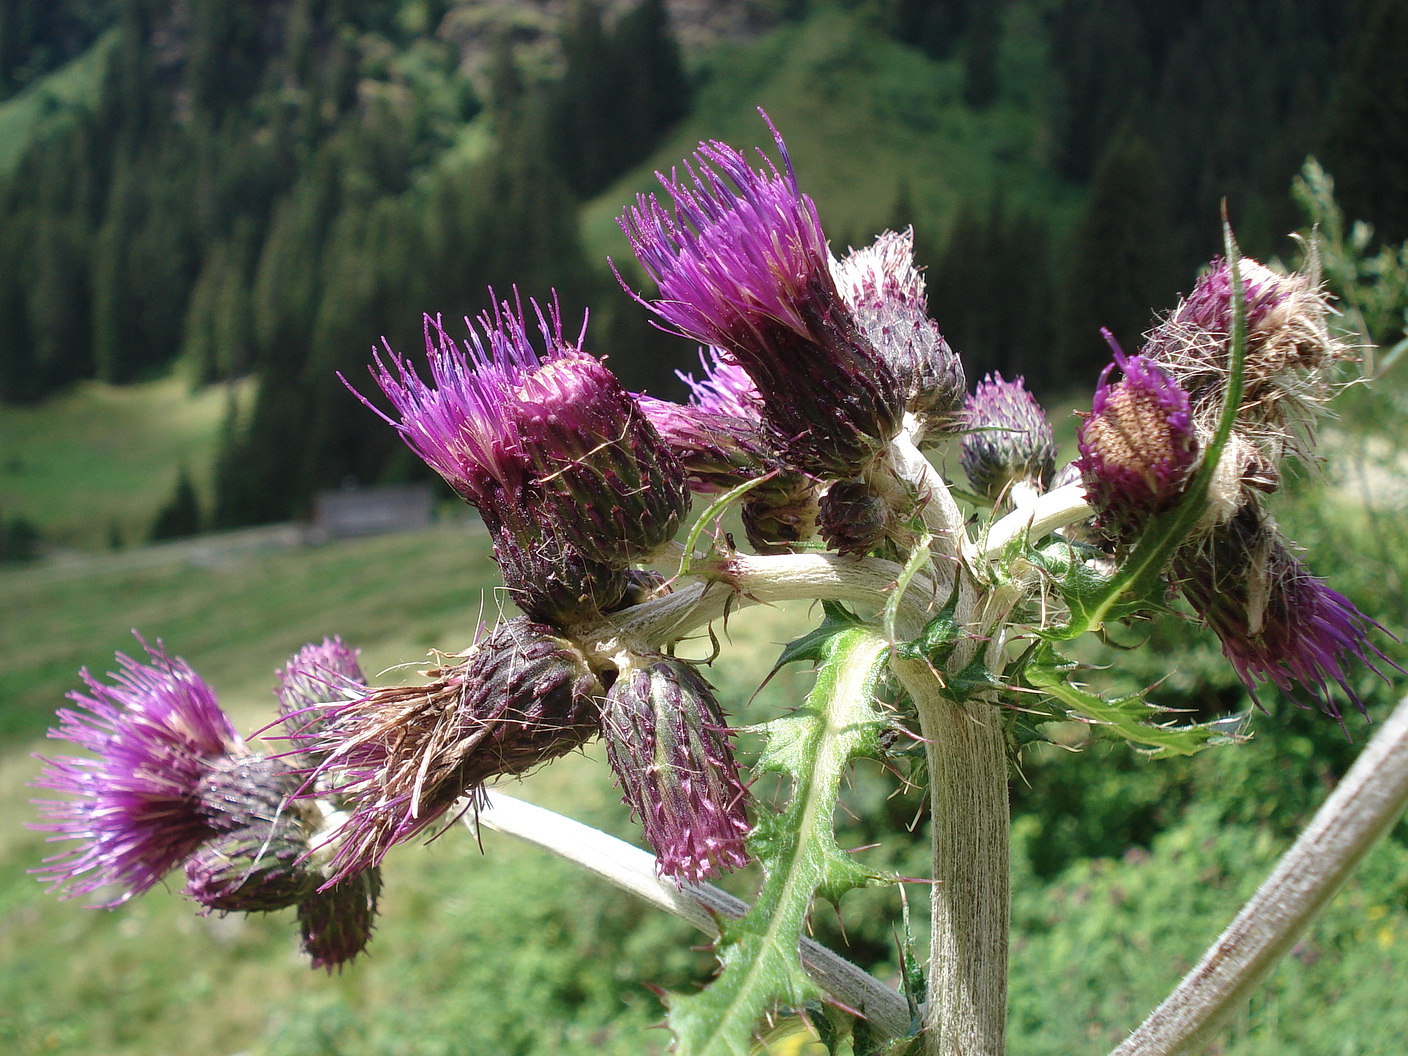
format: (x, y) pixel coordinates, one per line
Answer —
(797, 848)
(1123, 717)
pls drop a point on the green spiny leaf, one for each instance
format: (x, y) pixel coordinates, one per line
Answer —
(1123, 717)
(797, 849)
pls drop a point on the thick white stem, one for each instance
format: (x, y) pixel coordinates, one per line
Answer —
(633, 870)
(1055, 509)
(740, 580)
(966, 1014)
(1363, 807)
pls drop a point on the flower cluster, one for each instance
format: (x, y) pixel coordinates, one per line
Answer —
(1143, 441)
(169, 784)
(820, 380)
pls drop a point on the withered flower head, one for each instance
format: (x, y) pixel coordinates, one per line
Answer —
(886, 292)
(1290, 361)
(401, 757)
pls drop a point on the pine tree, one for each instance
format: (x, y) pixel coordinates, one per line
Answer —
(181, 515)
(1119, 268)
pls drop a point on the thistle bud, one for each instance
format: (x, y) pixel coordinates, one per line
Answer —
(741, 263)
(854, 518)
(1276, 621)
(784, 511)
(886, 292)
(1008, 439)
(337, 921)
(669, 747)
(403, 756)
(1138, 446)
(258, 858)
(317, 674)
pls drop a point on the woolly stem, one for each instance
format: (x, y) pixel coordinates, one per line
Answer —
(966, 749)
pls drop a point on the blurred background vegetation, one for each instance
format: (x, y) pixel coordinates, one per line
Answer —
(208, 209)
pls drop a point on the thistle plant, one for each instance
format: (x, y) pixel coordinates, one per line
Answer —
(946, 616)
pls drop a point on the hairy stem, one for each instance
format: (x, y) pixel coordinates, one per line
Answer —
(1362, 808)
(966, 748)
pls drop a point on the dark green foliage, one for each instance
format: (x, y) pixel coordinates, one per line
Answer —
(990, 292)
(622, 87)
(1221, 124)
(181, 516)
(1118, 272)
(1367, 146)
(933, 26)
(37, 36)
(19, 540)
(980, 78)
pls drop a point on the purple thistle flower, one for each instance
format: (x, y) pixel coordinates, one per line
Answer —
(401, 757)
(571, 478)
(459, 423)
(886, 292)
(1138, 446)
(670, 750)
(742, 264)
(1009, 441)
(1276, 621)
(156, 734)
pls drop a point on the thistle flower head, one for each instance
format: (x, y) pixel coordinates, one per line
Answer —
(1138, 446)
(1276, 621)
(403, 756)
(559, 460)
(318, 674)
(155, 734)
(670, 750)
(1290, 353)
(886, 292)
(1008, 440)
(742, 265)
(459, 422)
(718, 451)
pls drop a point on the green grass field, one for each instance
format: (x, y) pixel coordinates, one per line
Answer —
(103, 455)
